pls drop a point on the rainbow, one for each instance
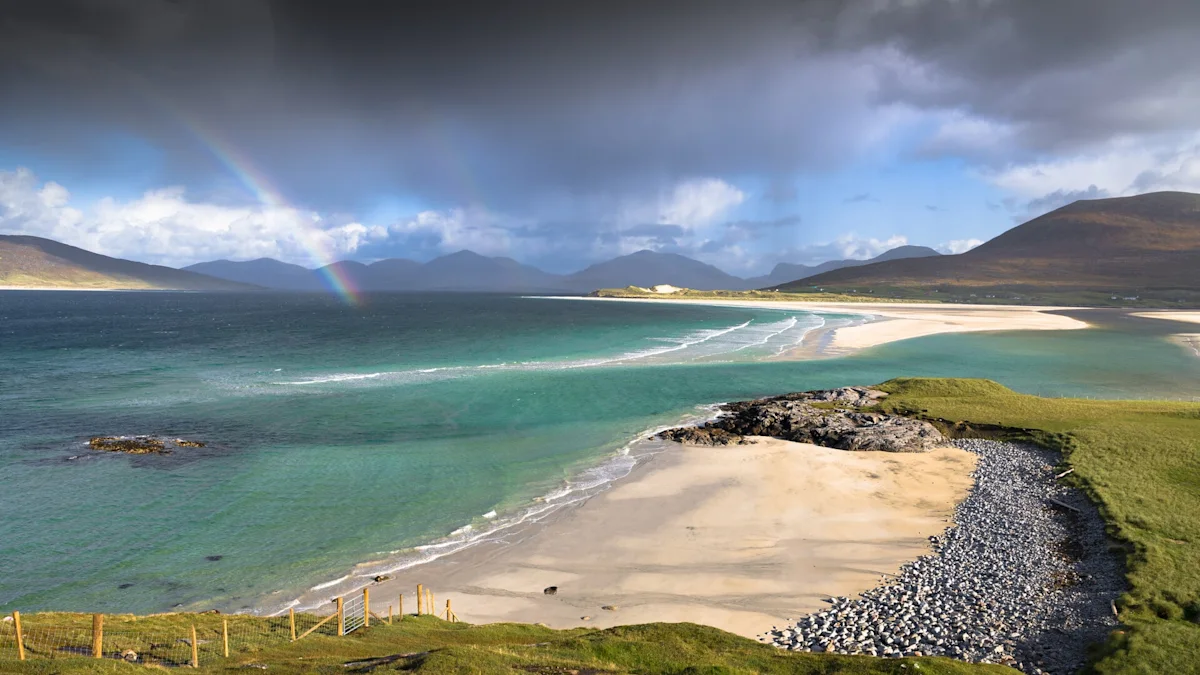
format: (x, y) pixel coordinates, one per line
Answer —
(254, 180)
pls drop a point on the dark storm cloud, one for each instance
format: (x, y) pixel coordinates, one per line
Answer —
(499, 103)
(1062, 74)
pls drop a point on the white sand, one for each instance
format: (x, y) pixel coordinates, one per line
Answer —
(900, 321)
(1167, 315)
(734, 537)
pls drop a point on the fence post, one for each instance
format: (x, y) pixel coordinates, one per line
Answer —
(366, 608)
(420, 598)
(225, 635)
(292, 622)
(97, 636)
(195, 649)
(429, 603)
(400, 608)
(341, 618)
(389, 615)
(20, 638)
(447, 609)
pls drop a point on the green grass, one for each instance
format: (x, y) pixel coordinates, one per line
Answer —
(1140, 461)
(429, 645)
(689, 294)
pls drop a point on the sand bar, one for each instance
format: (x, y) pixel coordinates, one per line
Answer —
(1185, 317)
(901, 321)
(735, 537)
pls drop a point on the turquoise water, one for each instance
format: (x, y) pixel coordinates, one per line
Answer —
(341, 435)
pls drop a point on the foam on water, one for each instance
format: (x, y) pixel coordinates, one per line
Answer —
(579, 488)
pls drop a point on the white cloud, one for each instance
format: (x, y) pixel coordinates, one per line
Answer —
(453, 230)
(699, 203)
(164, 226)
(1121, 167)
(691, 204)
(855, 247)
(956, 246)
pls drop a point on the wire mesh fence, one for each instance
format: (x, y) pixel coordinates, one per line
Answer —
(182, 640)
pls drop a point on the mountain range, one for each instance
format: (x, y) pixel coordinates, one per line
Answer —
(467, 271)
(1088, 252)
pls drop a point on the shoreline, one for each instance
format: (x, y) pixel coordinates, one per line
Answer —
(735, 537)
(893, 322)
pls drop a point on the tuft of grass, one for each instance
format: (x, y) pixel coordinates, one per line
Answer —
(1140, 462)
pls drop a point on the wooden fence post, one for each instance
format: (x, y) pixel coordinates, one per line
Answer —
(400, 608)
(420, 598)
(341, 618)
(195, 649)
(225, 635)
(292, 621)
(389, 615)
(20, 637)
(97, 636)
(366, 608)
(447, 609)
(429, 603)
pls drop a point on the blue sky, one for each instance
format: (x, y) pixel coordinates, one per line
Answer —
(565, 134)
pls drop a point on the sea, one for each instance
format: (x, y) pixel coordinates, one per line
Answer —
(348, 441)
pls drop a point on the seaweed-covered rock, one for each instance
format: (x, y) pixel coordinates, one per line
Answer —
(841, 423)
(140, 445)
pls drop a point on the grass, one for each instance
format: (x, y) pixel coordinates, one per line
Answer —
(689, 294)
(1140, 461)
(427, 644)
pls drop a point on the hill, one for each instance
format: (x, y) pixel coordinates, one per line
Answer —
(266, 272)
(785, 272)
(34, 262)
(1124, 250)
(649, 268)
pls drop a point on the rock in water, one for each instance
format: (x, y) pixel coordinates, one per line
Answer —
(140, 445)
(833, 418)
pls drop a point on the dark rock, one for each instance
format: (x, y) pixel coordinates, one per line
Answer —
(550, 590)
(833, 418)
(213, 558)
(140, 445)
(124, 586)
(382, 578)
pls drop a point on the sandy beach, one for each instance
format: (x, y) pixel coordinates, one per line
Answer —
(901, 321)
(736, 537)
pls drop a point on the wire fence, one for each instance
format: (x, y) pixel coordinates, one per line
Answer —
(182, 640)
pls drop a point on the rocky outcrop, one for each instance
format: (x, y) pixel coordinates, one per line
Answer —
(835, 418)
(140, 445)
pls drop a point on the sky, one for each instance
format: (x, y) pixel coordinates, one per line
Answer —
(565, 133)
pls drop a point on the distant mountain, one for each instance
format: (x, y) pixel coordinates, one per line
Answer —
(785, 272)
(648, 268)
(466, 271)
(1146, 246)
(265, 272)
(32, 262)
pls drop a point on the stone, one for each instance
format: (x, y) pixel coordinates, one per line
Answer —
(129, 655)
(611, 608)
(381, 578)
(213, 558)
(794, 417)
(550, 590)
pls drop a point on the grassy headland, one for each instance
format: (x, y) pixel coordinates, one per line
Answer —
(1140, 461)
